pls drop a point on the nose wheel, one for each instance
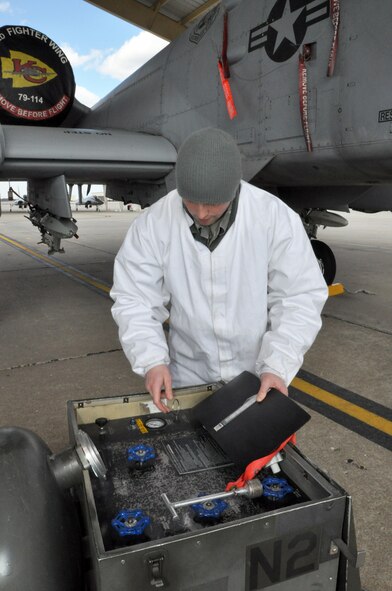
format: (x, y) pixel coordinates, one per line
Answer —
(326, 260)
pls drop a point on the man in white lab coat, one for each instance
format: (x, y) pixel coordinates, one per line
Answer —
(235, 268)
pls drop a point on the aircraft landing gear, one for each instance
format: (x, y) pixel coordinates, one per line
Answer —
(326, 260)
(50, 211)
(312, 219)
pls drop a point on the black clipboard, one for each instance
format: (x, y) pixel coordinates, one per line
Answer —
(259, 429)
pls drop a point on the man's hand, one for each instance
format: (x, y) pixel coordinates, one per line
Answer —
(158, 378)
(268, 381)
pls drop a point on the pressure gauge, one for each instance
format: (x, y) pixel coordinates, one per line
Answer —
(155, 423)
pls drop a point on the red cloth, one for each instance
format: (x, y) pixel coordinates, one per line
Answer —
(254, 467)
(232, 111)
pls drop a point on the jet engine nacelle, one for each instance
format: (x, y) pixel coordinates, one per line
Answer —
(39, 536)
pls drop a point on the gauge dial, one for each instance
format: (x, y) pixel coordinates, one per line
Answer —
(155, 423)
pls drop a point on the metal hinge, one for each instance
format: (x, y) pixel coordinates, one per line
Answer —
(155, 569)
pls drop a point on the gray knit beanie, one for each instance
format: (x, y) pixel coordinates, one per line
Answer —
(208, 168)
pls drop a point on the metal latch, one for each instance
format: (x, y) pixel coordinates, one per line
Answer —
(155, 569)
(356, 559)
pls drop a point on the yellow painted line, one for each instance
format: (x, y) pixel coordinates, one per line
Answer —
(335, 289)
(57, 264)
(353, 410)
(341, 404)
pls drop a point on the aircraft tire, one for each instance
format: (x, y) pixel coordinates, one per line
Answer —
(326, 260)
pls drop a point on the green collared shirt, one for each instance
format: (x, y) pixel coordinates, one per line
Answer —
(211, 236)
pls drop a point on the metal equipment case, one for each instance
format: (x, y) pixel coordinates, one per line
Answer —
(304, 542)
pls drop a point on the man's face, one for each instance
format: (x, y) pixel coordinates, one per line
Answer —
(205, 214)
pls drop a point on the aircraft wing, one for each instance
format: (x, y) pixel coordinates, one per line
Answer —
(83, 155)
(131, 165)
(166, 18)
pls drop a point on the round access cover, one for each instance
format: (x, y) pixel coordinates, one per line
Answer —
(37, 84)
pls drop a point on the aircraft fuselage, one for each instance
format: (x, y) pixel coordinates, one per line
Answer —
(348, 117)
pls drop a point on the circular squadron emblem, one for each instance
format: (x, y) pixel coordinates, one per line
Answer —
(37, 84)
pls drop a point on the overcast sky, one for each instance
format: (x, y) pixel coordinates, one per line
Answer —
(103, 49)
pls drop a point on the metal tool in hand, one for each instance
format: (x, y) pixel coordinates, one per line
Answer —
(248, 402)
(252, 490)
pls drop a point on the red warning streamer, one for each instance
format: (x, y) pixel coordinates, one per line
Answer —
(232, 111)
(254, 467)
(225, 42)
(303, 101)
(335, 17)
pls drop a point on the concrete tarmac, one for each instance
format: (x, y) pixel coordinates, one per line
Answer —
(59, 342)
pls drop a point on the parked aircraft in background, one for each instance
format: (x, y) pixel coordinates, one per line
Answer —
(20, 202)
(304, 88)
(90, 200)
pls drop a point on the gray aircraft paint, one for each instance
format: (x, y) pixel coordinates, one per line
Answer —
(179, 91)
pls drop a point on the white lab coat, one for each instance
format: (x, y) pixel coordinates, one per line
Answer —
(254, 303)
